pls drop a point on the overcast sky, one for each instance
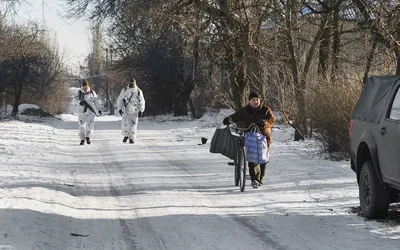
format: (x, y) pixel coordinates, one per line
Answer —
(73, 35)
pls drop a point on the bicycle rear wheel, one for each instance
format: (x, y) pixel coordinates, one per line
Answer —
(242, 168)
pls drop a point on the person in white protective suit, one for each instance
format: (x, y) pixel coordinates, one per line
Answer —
(86, 102)
(131, 105)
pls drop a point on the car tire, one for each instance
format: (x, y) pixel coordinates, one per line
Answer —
(394, 195)
(374, 199)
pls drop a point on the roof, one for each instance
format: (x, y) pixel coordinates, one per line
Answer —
(371, 103)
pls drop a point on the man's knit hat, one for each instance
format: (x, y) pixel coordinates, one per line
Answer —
(132, 83)
(254, 94)
(85, 83)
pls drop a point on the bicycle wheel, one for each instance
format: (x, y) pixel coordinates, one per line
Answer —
(242, 167)
(237, 168)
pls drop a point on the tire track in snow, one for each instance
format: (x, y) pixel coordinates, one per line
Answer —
(262, 235)
(152, 237)
(98, 151)
(249, 224)
(246, 222)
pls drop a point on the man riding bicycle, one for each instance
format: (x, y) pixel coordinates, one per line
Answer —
(262, 116)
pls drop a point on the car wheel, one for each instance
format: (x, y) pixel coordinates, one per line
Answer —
(374, 199)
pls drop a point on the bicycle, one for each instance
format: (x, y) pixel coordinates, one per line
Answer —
(240, 157)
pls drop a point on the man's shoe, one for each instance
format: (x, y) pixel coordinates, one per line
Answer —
(88, 140)
(82, 142)
(131, 141)
(125, 139)
(254, 184)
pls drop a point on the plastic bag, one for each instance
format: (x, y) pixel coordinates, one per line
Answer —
(224, 142)
(256, 147)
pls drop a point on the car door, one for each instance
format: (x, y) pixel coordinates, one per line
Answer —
(389, 141)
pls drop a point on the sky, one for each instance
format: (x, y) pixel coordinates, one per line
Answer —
(73, 35)
(167, 191)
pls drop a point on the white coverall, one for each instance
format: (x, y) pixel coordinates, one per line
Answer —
(135, 103)
(85, 115)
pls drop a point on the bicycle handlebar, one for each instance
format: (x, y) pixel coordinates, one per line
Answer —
(235, 127)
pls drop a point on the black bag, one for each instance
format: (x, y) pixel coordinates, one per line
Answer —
(224, 142)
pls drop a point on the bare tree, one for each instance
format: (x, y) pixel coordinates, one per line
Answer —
(8, 6)
(284, 49)
(234, 26)
(381, 19)
(28, 63)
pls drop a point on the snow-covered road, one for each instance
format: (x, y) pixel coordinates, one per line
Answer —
(167, 192)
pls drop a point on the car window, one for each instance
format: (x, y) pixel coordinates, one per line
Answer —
(395, 109)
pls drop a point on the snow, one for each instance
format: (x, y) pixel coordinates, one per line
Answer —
(168, 192)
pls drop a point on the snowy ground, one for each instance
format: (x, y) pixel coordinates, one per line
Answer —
(168, 192)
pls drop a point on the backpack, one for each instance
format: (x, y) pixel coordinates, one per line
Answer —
(138, 94)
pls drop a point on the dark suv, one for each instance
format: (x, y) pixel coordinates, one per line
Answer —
(375, 145)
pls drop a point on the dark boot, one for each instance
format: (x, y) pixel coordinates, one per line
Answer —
(262, 172)
(131, 141)
(82, 142)
(253, 171)
(125, 139)
(88, 140)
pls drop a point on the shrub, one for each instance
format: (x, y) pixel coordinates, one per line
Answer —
(52, 99)
(330, 109)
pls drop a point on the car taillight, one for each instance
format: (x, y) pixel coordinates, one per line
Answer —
(351, 127)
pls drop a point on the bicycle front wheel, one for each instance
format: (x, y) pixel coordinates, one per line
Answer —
(242, 168)
(237, 167)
